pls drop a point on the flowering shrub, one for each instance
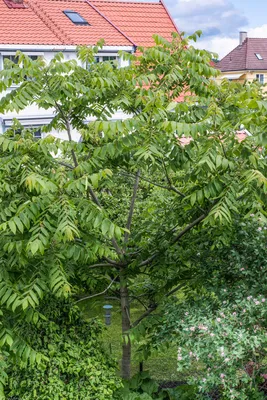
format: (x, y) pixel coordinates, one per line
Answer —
(220, 325)
(224, 342)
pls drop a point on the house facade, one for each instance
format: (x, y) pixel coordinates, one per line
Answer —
(45, 27)
(247, 62)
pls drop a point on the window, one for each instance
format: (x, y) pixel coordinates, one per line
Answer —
(15, 59)
(37, 134)
(259, 57)
(260, 78)
(99, 59)
(105, 58)
(26, 129)
(109, 58)
(76, 18)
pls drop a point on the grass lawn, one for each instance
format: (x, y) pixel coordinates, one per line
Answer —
(161, 365)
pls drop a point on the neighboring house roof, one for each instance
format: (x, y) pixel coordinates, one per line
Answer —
(244, 57)
(118, 23)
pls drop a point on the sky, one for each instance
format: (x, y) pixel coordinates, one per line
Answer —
(220, 21)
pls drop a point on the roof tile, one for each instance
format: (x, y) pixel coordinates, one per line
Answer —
(243, 57)
(119, 23)
(23, 26)
(140, 21)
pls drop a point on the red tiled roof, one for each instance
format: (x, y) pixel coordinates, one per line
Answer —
(81, 34)
(23, 26)
(118, 23)
(243, 57)
(140, 21)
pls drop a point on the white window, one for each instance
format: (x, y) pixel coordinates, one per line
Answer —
(260, 78)
(104, 58)
(35, 130)
(259, 57)
(14, 58)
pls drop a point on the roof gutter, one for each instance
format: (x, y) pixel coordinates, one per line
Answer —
(111, 23)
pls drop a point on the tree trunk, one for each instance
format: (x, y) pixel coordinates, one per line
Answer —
(126, 325)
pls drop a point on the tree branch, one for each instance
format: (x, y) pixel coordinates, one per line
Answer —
(154, 306)
(149, 260)
(140, 301)
(117, 264)
(174, 290)
(66, 164)
(130, 216)
(101, 265)
(188, 228)
(175, 240)
(98, 294)
(146, 314)
(145, 179)
(75, 161)
(170, 188)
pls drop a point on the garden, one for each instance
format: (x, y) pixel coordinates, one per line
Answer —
(172, 235)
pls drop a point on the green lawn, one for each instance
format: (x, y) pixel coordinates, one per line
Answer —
(161, 365)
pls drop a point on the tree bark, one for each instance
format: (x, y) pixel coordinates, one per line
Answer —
(126, 325)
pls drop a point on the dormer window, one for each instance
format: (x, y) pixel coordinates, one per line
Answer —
(259, 57)
(75, 17)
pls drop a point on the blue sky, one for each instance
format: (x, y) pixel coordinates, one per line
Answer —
(220, 20)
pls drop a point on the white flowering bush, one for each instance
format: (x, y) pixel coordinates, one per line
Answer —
(220, 322)
(230, 343)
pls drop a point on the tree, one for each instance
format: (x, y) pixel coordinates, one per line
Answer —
(118, 204)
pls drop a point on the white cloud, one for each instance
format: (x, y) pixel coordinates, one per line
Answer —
(223, 45)
(218, 45)
(213, 17)
(258, 32)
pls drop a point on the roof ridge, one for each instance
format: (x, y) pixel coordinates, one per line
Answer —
(167, 11)
(42, 14)
(111, 23)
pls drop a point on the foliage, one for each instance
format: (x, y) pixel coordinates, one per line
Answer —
(142, 387)
(222, 323)
(108, 214)
(77, 367)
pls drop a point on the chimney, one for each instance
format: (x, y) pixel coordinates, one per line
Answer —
(242, 37)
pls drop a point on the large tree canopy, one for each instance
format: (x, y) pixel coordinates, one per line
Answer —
(110, 211)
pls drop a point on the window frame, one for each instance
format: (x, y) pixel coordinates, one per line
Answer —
(258, 78)
(83, 21)
(101, 59)
(37, 130)
(259, 56)
(13, 53)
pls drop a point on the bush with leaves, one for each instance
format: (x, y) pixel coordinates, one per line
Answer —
(142, 387)
(76, 366)
(221, 324)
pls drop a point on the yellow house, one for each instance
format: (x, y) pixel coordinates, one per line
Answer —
(247, 62)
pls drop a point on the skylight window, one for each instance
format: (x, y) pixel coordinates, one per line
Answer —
(259, 57)
(75, 17)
